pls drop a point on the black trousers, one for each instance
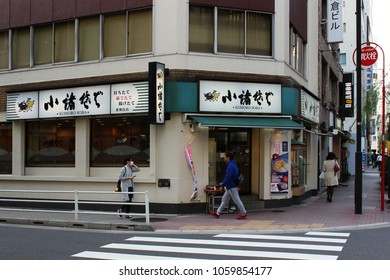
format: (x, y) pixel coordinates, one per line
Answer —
(126, 208)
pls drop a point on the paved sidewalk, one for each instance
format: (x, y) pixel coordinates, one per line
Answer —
(313, 213)
(316, 212)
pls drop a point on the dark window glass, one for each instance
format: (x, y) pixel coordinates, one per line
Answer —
(114, 139)
(50, 143)
(5, 148)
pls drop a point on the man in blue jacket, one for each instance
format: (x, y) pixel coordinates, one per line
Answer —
(231, 188)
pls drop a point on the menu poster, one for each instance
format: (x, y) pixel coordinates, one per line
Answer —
(279, 163)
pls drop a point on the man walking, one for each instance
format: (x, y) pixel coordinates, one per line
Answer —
(231, 188)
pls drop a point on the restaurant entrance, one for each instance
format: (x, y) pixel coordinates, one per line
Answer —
(236, 140)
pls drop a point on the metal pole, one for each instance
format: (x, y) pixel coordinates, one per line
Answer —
(383, 136)
(147, 211)
(358, 165)
(76, 205)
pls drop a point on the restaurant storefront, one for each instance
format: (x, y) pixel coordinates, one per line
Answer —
(77, 137)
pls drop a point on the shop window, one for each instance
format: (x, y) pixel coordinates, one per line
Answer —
(4, 50)
(50, 143)
(5, 148)
(140, 31)
(114, 139)
(21, 48)
(237, 32)
(89, 38)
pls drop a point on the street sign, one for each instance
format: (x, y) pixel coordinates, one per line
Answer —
(369, 56)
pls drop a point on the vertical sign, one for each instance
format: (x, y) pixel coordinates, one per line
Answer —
(335, 21)
(156, 93)
(347, 96)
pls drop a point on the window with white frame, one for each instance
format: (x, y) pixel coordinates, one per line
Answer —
(297, 52)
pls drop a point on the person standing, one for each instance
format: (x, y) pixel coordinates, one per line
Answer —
(331, 179)
(231, 188)
(127, 185)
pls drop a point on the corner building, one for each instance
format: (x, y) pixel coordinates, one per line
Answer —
(75, 97)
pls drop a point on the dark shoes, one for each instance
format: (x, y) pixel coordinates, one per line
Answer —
(215, 214)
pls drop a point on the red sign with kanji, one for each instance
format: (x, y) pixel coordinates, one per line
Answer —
(369, 56)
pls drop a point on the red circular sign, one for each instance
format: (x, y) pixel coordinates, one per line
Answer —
(369, 56)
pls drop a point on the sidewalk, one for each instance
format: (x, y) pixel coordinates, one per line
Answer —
(313, 213)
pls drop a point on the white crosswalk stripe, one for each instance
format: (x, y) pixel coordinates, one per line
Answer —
(240, 246)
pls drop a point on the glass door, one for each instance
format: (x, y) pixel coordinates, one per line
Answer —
(230, 139)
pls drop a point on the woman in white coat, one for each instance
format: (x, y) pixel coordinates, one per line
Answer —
(330, 167)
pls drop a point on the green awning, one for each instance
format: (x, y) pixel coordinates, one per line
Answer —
(249, 122)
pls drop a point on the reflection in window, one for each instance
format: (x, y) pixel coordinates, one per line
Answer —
(114, 139)
(5, 148)
(50, 143)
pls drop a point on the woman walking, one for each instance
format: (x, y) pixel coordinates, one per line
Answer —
(330, 167)
(127, 177)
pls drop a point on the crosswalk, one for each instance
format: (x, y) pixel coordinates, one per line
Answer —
(312, 245)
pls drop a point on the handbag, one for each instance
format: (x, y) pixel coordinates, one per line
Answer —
(118, 186)
(336, 167)
(322, 175)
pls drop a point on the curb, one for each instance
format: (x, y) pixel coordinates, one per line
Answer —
(78, 224)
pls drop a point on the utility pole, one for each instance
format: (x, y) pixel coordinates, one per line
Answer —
(358, 165)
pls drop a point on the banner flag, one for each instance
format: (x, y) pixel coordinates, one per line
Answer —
(188, 154)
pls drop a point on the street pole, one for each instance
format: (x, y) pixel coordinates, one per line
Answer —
(358, 154)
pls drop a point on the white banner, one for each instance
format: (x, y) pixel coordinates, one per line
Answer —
(188, 154)
(335, 21)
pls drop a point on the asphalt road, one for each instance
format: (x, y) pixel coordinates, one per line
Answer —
(45, 243)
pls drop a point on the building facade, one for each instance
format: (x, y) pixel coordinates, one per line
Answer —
(347, 61)
(77, 97)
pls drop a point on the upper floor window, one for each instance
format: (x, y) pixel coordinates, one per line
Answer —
(54, 43)
(122, 34)
(4, 50)
(21, 48)
(216, 30)
(128, 34)
(297, 52)
(343, 58)
(89, 39)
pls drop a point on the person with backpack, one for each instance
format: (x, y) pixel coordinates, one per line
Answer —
(230, 185)
(127, 176)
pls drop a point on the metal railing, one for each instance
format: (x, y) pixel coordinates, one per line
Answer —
(76, 201)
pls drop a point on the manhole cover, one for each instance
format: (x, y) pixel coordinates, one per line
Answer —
(143, 220)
